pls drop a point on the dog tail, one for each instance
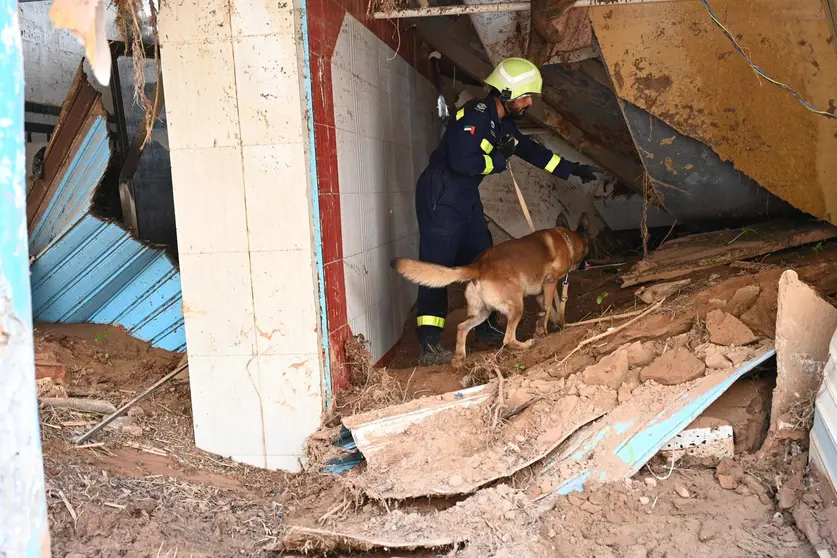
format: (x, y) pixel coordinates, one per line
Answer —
(432, 275)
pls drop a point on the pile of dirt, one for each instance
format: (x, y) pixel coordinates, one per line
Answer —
(142, 488)
(687, 514)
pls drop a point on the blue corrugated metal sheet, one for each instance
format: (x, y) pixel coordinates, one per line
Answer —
(633, 440)
(87, 269)
(96, 272)
(73, 194)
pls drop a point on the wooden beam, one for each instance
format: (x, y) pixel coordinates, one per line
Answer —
(491, 7)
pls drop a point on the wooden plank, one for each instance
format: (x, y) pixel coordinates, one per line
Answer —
(681, 256)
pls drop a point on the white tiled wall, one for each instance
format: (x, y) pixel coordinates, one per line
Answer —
(241, 192)
(386, 129)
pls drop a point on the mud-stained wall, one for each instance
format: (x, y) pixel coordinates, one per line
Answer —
(672, 60)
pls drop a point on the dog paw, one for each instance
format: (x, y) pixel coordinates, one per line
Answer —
(458, 362)
(528, 344)
(540, 332)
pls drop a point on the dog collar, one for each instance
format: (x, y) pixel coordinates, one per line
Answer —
(569, 245)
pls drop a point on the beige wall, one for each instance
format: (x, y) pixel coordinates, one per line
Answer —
(238, 149)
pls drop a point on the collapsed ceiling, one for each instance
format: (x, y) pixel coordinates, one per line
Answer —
(628, 87)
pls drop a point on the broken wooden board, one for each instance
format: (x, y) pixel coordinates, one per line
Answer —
(682, 256)
(617, 446)
(455, 443)
(330, 540)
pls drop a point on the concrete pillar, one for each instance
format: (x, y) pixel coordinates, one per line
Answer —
(23, 522)
(245, 205)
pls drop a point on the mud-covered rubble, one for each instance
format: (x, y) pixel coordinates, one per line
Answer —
(699, 337)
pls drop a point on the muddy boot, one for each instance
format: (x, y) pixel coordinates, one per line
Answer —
(490, 332)
(430, 343)
(432, 355)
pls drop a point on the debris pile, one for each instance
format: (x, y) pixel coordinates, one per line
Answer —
(664, 390)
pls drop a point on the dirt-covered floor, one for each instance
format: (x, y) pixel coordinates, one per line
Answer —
(142, 488)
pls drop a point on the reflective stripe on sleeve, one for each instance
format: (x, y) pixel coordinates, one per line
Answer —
(434, 321)
(460, 113)
(486, 146)
(489, 165)
(553, 163)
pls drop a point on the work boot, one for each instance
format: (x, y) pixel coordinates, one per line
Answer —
(434, 354)
(490, 331)
(430, 344)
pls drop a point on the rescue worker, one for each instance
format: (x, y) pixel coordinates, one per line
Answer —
(479, 141)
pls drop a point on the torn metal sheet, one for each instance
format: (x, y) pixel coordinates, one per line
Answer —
(455, 443)
(617, 446)
(97, 273)
(374, 431)
(671, 60)
(685, 173)
(682, 256)
(85, 268)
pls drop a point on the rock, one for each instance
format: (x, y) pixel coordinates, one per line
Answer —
(709, 530)
(726, 329)
(609, 371)
(639, 354)
(644, 500)
(651, 482)
(729, 474)
(135, 412)
(807, 523)
(681, 490)
(679, 341)
(717, 361)
(132, 429)
(727, 482)
(787, 497)
(575, 500)
(625, 393)
(674, 367)
(654, 293)
(812, 499)
(614, 517)
(456, 481)
(743, 490)
(591, 507)
(764, 496)
(738, 355)
(118, 423)
(742, 300)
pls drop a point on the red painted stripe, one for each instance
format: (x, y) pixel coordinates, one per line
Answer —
(325, 18)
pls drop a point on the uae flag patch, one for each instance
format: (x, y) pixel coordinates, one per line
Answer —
(471, 129)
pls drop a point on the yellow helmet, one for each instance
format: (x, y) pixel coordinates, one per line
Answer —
(515, 77)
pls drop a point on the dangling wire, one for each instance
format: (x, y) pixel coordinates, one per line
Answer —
(758, 70)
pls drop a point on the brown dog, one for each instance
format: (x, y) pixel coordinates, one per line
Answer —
(501, 276)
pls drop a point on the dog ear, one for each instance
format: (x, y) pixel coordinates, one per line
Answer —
(583, 225)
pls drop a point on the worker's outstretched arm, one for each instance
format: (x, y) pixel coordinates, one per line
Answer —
(541, 157)
(469, 152)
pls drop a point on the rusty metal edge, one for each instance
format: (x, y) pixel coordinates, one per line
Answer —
(78, 113)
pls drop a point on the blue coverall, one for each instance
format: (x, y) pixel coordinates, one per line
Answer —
(452, 228)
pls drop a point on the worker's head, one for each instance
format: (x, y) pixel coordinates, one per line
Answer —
(514, 81)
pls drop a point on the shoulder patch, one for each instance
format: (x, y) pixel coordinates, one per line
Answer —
(480, 107)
